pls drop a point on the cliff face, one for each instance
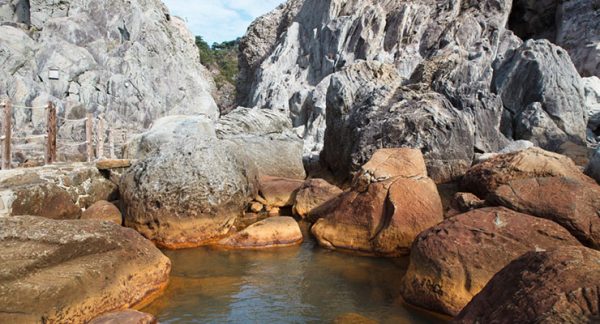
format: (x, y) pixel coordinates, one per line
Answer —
(130, 61)
(359, 75)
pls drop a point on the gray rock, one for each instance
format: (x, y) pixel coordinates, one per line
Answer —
(593, 168)
(543, 94)
(591, 87)
(129, 61)
(188, 195)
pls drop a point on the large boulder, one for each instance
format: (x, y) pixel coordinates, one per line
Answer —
(72, 271)
(485, 177)
(130, 62)
(593, 168)
(57, 191)
(278, 192)
(543, 94)
(450, 263)
(570, 203)
(384, 214)
(269, 233)
(591, 87)
(188, 195)
(103, 210)
(556, 286)
(312, 194)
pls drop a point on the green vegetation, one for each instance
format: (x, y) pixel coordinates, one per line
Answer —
(221, 59)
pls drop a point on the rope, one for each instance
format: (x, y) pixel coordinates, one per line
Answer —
(25, 138)
(26, 107)
(73, 144)
(73, 120)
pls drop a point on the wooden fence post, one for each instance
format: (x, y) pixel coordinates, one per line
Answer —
(6, 152)
(89, 124)
(52, 129)
(100, 135)
(111, 143)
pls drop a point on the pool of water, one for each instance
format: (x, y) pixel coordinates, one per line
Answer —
(290, 285)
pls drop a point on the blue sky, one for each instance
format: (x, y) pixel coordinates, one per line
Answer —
(220, 20)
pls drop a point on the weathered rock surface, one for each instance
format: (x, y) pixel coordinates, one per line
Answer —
(269, 233)
(543, 94)
(103, 210)
(450, 263)
(72, 271)
(125, 317)
(382, 217)
(188, 195)
(485, 177)
(312, 194)
(556, 286)
(593, 168)
(129, 61)
(278, 192)
(57, 191)
(572, 204)
(591, 87)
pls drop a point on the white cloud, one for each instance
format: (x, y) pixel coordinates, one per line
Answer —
(220, 20)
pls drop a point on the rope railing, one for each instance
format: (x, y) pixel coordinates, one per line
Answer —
(28, 107)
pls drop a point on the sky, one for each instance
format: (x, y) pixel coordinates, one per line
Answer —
(220, 20)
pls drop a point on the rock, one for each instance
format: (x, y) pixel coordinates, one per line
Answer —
(543, 93)
(189, 195)
(593, 168)
(466, 201)
(572, 204)
(103, 210)
(451, 262)
(353, 318)
(106, 63)
(556, 286)
(485, 177)
(125, 317)
(390, 163)
(382, 219)
(58, 191)
(579, 33)
(312, 194)
(73, 271)
(269, 233)
(256, 207)
(278, 192)
(107, 164)
(322, 61)
(591, 87)
(512, 147)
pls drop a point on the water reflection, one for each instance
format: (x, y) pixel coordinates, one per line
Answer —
(292, 285)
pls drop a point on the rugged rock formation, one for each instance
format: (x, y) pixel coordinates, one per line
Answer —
(568, 202)
(591, 87)
(485, 177)
(56, 191)
(312, 194)
(103, 210)
(188, 195)
(125, 317)
(129, 61)
(593, 168)
(72, 271)
(556, 286)
(278, 192)
(390, 204)
(269, 233)
(450, 263)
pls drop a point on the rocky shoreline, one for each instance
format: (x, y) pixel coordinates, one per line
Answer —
(463, 135)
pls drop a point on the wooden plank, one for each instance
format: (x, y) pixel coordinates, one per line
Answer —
(6, 152)
(100, 135)
(114, 164)
(52, 130)
(89, 124)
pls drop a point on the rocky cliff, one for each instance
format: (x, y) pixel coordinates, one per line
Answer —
(128, 61)
(355, 76)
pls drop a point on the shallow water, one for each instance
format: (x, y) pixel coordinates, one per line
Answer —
(290, 285)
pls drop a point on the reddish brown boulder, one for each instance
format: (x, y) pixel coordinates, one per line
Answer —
(466, 201)
(269, 233)
(103, 210)
(390, 203)
(71, 271)
(557, 286)
(570, 203)
(452, 262)
(128, 316)
(278, 192)
(485, 177)
(45, 200)
(313, 194)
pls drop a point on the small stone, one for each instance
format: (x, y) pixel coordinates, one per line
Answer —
(103, 210)
(256, 207)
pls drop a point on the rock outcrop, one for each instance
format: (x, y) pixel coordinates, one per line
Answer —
(312, 194)
(278, 192)
(188, 195)
(125, 317)
(391, 202)
(272, 232)
(556, 286)
(103, 210)
(128, 61)
(591, 87)
(450, 263)
(72, 271)
(57, 191)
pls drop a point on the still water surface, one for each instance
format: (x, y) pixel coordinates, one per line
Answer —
(304, 284)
